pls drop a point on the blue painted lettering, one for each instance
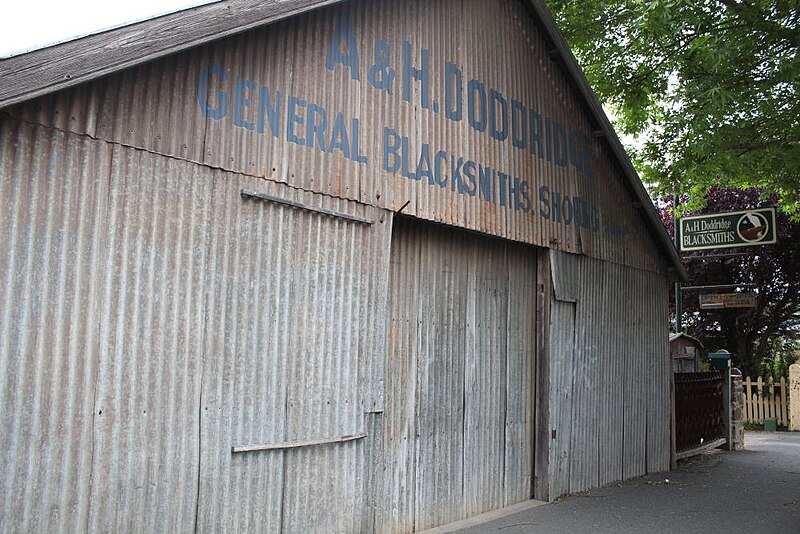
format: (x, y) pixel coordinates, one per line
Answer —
(519, 124)
(486, 183)
(404, 168)
(544, 202)
(439, 160)
(536, 134)
(513, 192)
(241, 102)
(381, 76)
(339, 138)
(470, 187)
(343, 35)
(566, 209)
(555, 206)
(294, 119)
(424, 167)
(524, 196)
(412, 73)
(221, 109)
(357, 156)
(498, 116)
(391, 144)
(502, 178)
(269, 109)
(452, 92)
(316, 124)
(476, 91)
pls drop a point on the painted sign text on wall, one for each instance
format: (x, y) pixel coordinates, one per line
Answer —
(467, 100)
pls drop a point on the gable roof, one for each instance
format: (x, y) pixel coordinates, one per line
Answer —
(51, 69)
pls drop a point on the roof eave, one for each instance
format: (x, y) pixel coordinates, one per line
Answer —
(60, 66)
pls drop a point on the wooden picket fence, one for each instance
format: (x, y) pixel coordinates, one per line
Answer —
(763, 401)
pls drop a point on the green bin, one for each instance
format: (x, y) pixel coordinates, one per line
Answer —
(720, 359)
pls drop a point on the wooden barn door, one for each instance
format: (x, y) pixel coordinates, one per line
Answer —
(460, 375)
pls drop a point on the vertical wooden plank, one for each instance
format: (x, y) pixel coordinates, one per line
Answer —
(784, 412)
(770, 401)
(794, 398)
(748, 401)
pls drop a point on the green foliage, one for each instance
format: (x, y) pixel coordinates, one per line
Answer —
(710, 87)
(783, 353)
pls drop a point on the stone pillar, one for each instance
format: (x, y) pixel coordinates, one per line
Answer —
(737, 407)
(794, 397)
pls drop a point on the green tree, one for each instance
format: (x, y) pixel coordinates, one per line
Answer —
(709, 87)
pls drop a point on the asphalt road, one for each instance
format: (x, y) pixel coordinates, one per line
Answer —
(755, 490)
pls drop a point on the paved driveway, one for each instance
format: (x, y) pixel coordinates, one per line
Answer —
(755, 490)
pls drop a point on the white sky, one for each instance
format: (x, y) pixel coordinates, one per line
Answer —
(30, 24)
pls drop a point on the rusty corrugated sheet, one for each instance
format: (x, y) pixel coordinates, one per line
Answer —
(150, 361)
(161, 107)
(54, 190)
(460, 384)
(292, 331)
(609, 374)
(103, 317)
(153, 318)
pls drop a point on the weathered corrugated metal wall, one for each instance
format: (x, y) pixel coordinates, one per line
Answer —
(51, 277)
(292, 352)
(153, 318)
(609, 374)
(460, 376)
(102, 334)
(227, 105)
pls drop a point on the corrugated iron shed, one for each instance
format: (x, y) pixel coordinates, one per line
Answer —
(218, 315)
